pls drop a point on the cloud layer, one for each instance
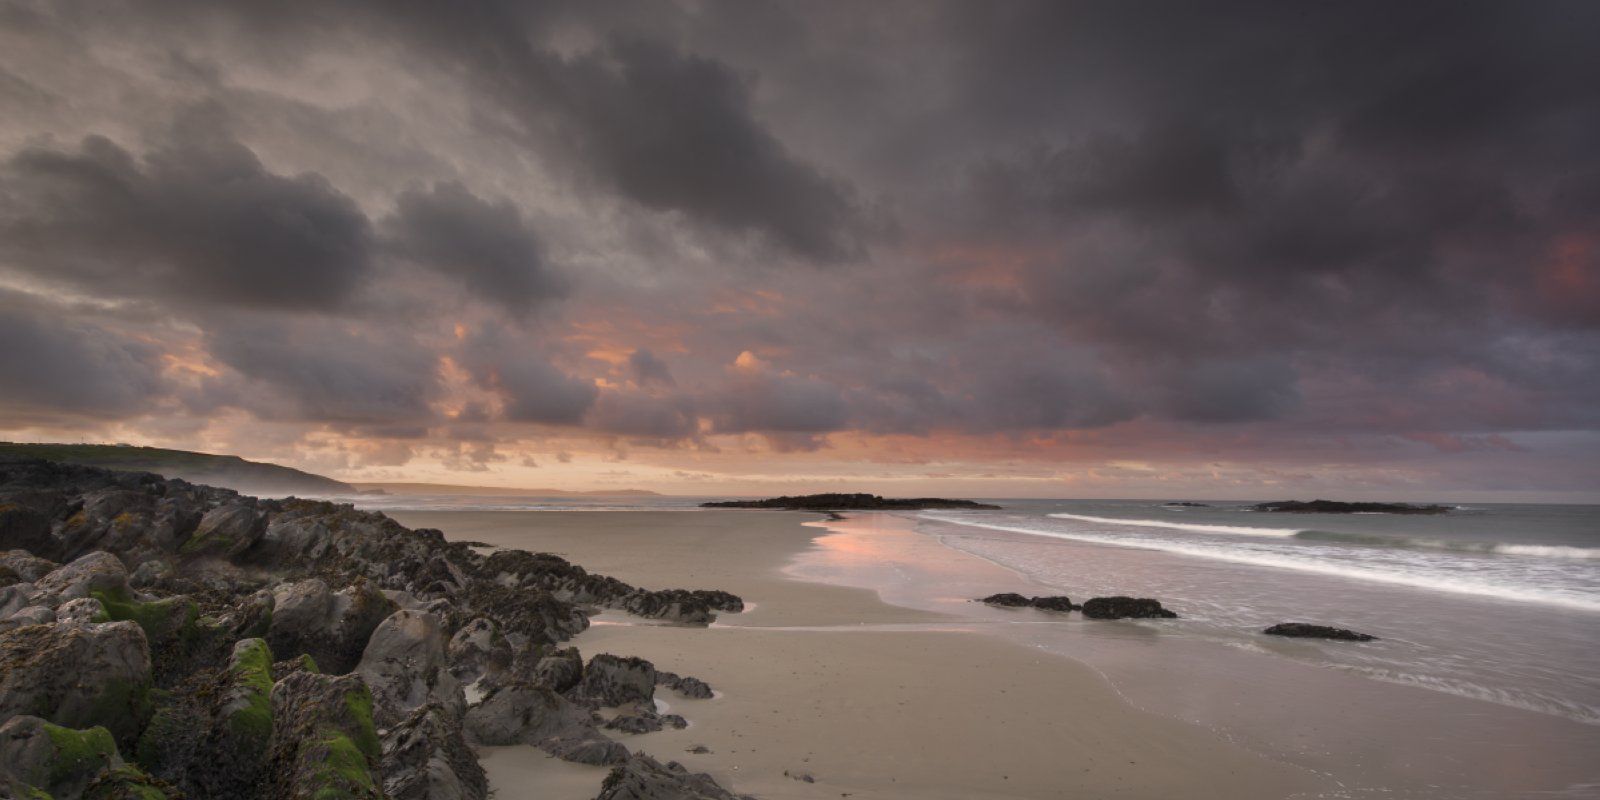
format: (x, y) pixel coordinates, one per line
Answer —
(1348, 237)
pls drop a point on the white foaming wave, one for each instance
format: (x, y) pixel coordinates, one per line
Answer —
(1547, 551)
(1184, 526)
(1453, 584)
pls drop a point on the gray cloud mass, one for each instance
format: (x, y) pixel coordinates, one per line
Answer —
(1313, 221)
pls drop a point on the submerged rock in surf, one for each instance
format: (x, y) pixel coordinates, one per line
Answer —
(1305, 630)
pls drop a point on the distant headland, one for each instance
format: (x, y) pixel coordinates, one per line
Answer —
(229, 472)
(851, 502)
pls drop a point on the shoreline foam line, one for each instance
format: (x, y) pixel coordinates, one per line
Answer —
(1197, 527)
(1452, 585)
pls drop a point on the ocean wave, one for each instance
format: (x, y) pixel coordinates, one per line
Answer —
(1499, 548)
(1527, 701)
(1453, 583)
(1243, 530)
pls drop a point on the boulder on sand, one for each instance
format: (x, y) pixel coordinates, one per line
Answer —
(1125, 608)
(1305, 630)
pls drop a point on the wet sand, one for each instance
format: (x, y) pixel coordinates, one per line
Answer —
(869, 699)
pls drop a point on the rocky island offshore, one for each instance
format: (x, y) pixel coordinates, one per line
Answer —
(160, 639)
(1338, 507)
(852, 502)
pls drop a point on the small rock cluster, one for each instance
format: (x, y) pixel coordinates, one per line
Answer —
(1097, 608)
(160, 639)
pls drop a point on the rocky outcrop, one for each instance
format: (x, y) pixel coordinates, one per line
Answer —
(1305, 630)
(1013, 600)
(274, 649)
(1125, 608)
(644, 778)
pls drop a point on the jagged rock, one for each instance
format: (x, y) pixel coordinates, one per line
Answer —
(83, 609)
(14, 598)
(594, 750)
(25, 567)
(404, 666)
(1125, 607)
(29, 615)
(1008, 600)
(524, 714)
(645, 722)
(644, 778)
(426, 758)
(611, 680)
(95, 572)
(78, 676)
(478, 648)
(151, 573)
(323, 741)
(227, 531)
(678, 605)
(560, 670)
(59, 761)
(251, 617)
(693, 688)
(1303, 630)
(300, 663)
(331, 627)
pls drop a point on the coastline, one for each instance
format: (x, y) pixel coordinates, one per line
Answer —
(866, 698)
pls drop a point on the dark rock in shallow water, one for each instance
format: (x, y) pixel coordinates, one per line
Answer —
(644, 778)
(1337, 507)
(851, 502)
(1053, 603)
(1014, 600)
(1304, 630)
(1186, 504)
(1125, 608)
(693, 688)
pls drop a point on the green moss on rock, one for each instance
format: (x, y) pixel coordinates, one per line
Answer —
(78, 752)
(251, 675)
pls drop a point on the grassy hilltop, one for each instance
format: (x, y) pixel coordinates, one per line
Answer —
(233, 472)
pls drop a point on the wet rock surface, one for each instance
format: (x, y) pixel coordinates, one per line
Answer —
(1126, 608)
(1014, 600)
(1305, 630)
(162, 639)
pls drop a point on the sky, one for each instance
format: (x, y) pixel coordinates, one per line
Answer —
(993, 249)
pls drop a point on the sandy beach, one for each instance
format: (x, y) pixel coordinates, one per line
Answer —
(865, 698)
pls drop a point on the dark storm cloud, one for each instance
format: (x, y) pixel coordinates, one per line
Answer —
(486, 245)
(324, 370)
(646, 369)
(197, 220)
(1355, 217)
(53, 361)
